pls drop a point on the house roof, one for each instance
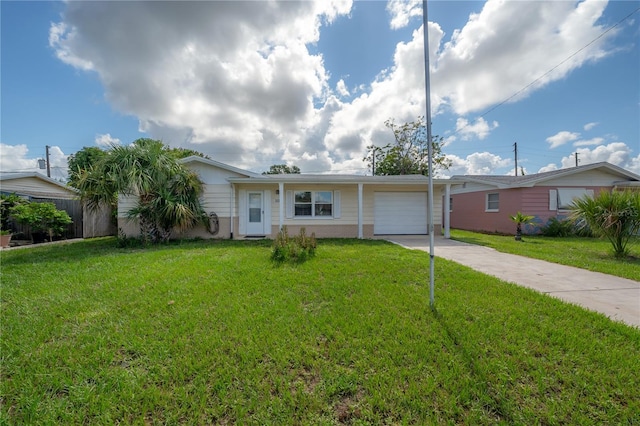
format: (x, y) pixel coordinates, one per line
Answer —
(534, 179)
(302, 178)
(337, 178)
(9, 176)
(198, 159)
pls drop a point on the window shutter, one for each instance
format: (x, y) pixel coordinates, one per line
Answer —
(336, 204)
(289, 205)
(553, 199)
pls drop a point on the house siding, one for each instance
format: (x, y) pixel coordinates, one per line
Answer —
(469, 208)
(227, 201)
(347, 225)
(469, 211)
(36, 188)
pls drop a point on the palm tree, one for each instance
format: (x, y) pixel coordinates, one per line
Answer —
(520, 219)
(614, 215)
(167, 192)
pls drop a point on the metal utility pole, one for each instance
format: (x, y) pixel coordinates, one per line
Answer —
(427, 88)
(48, 162)
(515, 150)
(576, 155)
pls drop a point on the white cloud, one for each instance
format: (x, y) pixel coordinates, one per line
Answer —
(589, 142)
(562, 138)
(15, 158)
(106, 140)
(590, 126)
(341, 88)
(510, 44)
(548, 168)
(402, 11)
(478, 163)
(218, 76)
(616, 153)
(479, 129)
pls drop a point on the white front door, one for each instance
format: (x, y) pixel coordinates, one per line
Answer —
(255, 214)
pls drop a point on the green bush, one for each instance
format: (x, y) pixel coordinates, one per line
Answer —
(7, 202)
(42, 217)
(614, 215)
(558, 228)
(295, 249)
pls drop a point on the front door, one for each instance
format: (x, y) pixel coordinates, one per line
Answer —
(255, 216)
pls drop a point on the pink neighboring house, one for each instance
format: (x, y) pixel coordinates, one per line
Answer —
(484, 203)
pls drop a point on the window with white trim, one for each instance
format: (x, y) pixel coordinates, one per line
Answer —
(313, 204)
(566, 196)
(493, 202)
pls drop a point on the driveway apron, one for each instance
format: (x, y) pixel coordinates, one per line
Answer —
(617, 298)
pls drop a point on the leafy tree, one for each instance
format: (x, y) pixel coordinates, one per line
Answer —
(7, 202)
(42, 217)
(409, 152)
(614, 215)
(167, 192)
(83, 160)
(179, 153)
(281, 169)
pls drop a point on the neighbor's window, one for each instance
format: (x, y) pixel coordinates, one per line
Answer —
(313, 203)
(493, 202)
(566, 196)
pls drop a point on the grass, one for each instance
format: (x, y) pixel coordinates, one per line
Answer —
(587, 253)
(214, 333)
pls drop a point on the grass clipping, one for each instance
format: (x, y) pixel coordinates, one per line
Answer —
(296, 249)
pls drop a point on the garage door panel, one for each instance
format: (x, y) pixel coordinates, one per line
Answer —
(398, 213)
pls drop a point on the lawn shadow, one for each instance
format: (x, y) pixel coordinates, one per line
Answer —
(497, 406)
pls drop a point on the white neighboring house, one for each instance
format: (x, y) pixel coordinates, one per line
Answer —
(248, 204)
(37, 187)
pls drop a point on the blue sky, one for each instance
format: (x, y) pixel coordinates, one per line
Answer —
(257, 83)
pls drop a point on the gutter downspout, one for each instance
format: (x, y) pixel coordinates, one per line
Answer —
(231, 208)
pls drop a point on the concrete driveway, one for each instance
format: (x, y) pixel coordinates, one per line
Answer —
(617, 298)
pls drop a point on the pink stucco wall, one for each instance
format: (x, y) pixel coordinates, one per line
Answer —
(469, 209)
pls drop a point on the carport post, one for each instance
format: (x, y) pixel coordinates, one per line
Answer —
(281, 205)
(360, 236)
(447, 211)
(425, 27)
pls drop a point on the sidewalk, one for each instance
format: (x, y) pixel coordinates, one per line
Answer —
(617, 298)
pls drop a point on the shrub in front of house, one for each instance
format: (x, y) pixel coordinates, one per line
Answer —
(558, 228)
(295, 249)
(42, 218)
(565, 227)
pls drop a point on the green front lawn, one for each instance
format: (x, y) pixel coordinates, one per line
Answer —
(214, 333)
(593, 254)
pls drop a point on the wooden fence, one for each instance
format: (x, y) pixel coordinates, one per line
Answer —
(73, 209)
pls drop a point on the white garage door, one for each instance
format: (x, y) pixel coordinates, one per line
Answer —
(396, 213)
